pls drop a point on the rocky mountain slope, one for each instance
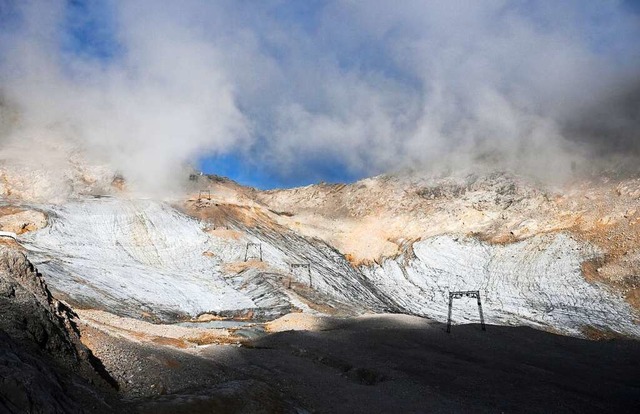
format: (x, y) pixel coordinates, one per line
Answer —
(573, 247)
(178, 303)
(44, 367)
(563, 259)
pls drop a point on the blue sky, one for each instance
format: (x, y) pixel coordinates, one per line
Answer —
(236, 167)
(287, 93)
(90, 33)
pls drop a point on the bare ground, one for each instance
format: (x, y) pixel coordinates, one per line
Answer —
(383, 363)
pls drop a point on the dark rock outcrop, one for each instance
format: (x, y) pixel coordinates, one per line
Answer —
(44, 368)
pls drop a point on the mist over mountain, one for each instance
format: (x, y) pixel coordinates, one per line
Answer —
(480, 251)
(146, 87)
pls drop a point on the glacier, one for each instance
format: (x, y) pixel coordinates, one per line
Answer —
(147, 259)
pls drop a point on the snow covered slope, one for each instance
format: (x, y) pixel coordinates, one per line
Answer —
(538, 259)
(144, 258)
(563, 257)
(535, 282)
(131, 255)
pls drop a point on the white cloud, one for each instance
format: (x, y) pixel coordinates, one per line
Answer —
(372, 85)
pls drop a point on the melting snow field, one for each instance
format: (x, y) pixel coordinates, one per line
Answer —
(124, 254)
(535, 282)
(143, 258)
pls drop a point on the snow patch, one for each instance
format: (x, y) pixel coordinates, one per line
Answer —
(536, 282)
(123, 254)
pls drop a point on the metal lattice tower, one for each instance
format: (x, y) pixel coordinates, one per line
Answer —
(255, 249)
(303, 266)
(204, 194)
(469, 294)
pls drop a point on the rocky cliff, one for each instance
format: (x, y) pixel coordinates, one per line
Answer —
(43, 365)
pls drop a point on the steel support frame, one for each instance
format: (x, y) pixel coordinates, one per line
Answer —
(302, 266)
(469, 294)
(254, 245)
(201, 193)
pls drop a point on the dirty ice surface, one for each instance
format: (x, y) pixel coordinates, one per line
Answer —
(144, 258)
(536, 282)
(127, 254)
